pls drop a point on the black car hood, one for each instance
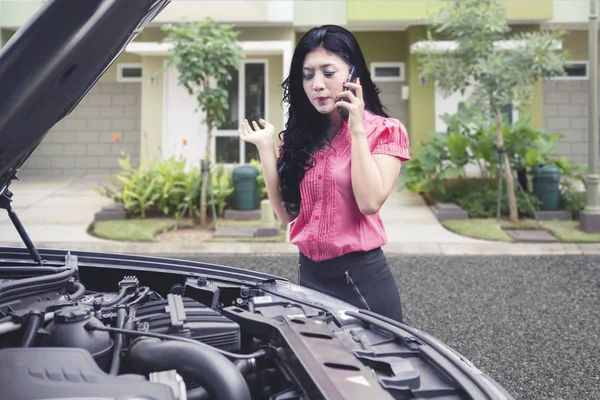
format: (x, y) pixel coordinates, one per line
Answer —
(53, 61)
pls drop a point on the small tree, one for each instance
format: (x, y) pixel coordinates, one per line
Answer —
(204, 53)
(501, 72)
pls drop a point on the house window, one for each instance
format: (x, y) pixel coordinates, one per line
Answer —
(387, 71)
(129, 72)
(508, 112)
(247, 100)
(575, 70)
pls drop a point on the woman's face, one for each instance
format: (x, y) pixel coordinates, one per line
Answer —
(323, 75)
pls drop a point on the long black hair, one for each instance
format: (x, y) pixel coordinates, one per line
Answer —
(305, 129)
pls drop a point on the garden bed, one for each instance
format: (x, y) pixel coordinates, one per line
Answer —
(469, 207)
(168, 230)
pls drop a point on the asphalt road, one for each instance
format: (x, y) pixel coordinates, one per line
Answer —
(533, 323)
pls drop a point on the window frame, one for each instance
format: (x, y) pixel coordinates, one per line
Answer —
(575, 78)
(379, 64)
(241, 110)
(121, 66)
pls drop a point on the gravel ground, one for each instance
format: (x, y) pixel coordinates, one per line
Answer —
(532, 323)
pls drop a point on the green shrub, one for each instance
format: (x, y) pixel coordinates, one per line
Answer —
(572, 200)
(479, 198)
(162, 188)
(222, 188)
(168, 188)
(172, 186)
(472, 141)
(136, 188)
(260, 180)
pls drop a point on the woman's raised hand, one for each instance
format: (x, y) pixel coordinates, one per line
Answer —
(257, 136)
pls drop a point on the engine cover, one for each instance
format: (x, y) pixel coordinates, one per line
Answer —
(182, 316)
(68, 373)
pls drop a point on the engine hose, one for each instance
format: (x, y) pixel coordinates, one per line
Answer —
(209, 369)
(116, 300)
(90, 326)
(79, 292)
(245, 366)
(118, 347)
(141, 297)
(34, 322)
(198, 393)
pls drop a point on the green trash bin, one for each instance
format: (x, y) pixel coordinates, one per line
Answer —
(245, 188)
(546, 186)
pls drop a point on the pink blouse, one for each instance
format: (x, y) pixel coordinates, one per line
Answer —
(330, 223)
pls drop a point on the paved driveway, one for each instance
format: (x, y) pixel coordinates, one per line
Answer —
(55, 209)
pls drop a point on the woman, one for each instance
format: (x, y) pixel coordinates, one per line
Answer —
(331, 175)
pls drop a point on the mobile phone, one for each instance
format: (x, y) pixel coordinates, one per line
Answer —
(351, 78)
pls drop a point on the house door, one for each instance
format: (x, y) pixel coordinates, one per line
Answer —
(184, 130)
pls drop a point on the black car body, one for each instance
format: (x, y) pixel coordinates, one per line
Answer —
(79, 325)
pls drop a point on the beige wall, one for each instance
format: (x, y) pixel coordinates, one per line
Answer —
(382, 46)
(420, 10)
(154, 34)
(15, 13)
(111, 73)
(270, 33)
(571, 11)
(576, 42)
(5, 35)
(217, 10)
(152, 108)
(239, 11)
(315, 13)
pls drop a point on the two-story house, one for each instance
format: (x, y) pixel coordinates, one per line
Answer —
(139, 108)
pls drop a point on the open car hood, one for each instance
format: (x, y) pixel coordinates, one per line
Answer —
(53, 61)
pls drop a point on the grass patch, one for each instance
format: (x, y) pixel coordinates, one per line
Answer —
(569, 232)
(132, 230)
(147, 230)
(486, 229)
(490, 229)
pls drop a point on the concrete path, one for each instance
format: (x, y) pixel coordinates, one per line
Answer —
(56, 213)
(408, 219)
(53, 209)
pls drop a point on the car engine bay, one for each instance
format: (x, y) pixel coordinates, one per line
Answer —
(113, 327)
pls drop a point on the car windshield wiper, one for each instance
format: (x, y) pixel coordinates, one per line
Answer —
(5, 200)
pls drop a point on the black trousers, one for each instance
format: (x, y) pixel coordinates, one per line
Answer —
(363, 279)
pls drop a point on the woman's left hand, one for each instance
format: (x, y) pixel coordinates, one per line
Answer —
(355, 106)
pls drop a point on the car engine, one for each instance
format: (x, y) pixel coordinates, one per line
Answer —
(100, 326)
(132, 343)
